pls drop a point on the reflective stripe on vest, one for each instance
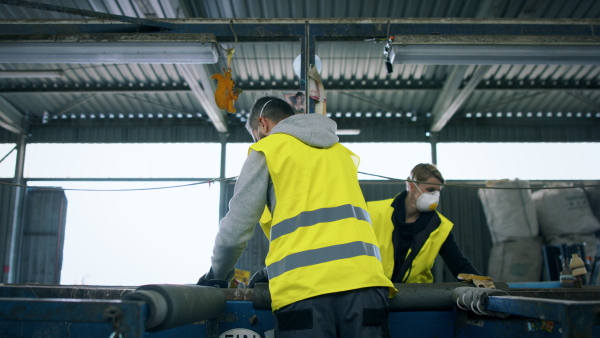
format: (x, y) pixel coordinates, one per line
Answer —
(323, 215)
(322, 255)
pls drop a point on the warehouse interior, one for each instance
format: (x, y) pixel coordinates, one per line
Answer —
(433, 73)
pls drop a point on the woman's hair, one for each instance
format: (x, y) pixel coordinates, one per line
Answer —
(421, 172)
(271, 107)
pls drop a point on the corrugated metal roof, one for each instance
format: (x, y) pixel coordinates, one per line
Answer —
(153, 103)
(353, 73)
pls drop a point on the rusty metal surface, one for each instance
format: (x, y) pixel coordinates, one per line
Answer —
(576, 317)
(586, 293)
(63, 291)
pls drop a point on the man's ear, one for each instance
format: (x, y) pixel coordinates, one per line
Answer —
(265, 125)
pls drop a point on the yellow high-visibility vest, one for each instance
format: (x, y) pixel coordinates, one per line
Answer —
(321, 239)
(420, 270)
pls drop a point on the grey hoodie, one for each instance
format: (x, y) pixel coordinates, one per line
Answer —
(254, 190)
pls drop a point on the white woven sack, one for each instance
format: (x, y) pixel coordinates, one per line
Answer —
(564, 211)
(510, 214)
(516, 261)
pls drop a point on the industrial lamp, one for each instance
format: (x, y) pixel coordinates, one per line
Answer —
(111, 48)
(26, 74)
(347, 132)
(495, 54)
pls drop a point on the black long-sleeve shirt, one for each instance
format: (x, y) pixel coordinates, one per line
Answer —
(403, 239)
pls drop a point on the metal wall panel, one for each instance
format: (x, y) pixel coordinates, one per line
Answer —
(496, 130)
(460, 205)
(253, 258)
(42, 237)
(463, 207)
(7, 137)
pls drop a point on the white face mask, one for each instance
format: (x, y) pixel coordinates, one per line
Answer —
(428, 201)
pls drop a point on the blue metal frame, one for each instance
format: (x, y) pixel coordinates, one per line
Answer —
(77, 317)
(576, 317)
(34, 310)
(132, 315)
(440, 324)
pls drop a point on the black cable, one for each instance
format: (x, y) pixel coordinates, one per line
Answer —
(137, 189)
(483, 186)
(360, 172)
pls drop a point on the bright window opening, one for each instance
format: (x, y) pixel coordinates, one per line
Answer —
(526, 161)
(138, 237)
(155, 160)
(7, 166)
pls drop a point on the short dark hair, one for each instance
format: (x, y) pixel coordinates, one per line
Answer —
(271, 107)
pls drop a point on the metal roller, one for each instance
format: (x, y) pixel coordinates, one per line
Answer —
(428, 296)
(175, 305)
(261, 297)
(410, 297)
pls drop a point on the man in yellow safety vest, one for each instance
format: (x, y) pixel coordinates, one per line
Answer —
(324, 268)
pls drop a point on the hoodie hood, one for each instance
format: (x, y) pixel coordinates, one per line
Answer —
(313, 129)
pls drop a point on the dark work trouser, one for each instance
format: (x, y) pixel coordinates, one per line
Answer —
(348, 314)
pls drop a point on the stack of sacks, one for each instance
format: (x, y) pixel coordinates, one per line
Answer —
(565, 217)
(516, 254)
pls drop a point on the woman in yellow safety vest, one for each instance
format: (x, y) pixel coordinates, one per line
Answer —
(411, 232)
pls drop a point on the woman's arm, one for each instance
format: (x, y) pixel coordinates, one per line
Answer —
(454, 258)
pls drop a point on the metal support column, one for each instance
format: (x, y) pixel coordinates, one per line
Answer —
(307, 58)
(223, 183)
(12, 260)
(434, 140)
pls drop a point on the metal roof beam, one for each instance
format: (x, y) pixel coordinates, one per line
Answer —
(203, 90)
(199, 88)
(11, 118)
(449, 91)
(112, 90)
(72, 105)
(415, 85)
(442, 116)
(587, 101)
(556, 31)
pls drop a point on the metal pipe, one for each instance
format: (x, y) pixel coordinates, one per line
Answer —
(175, 305)
(410, 297)
(223, 183)
(428, 296)
(12, 262)
(434, 140)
